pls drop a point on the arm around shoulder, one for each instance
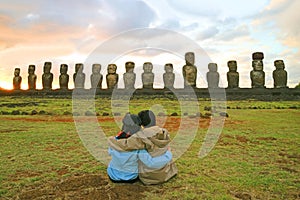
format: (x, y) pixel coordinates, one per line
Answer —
(129, 144)
(154, 162)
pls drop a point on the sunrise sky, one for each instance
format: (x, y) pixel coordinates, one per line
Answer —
(36, 31)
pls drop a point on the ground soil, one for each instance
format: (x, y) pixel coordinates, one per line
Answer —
(84, 187)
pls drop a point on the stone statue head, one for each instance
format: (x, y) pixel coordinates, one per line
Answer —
(78, 68)
(63, 68)
(148, 67)
(129, 66)
(232, 65)
(17, 72)
(111, 69)
(31, 69)
(190, 58)
(47, 67)
(279, 64)
(96, 68)
(257, 65)
(213, 67)
(169, 67)
(258, 56)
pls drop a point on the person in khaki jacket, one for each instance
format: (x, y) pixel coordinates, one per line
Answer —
(160, 139)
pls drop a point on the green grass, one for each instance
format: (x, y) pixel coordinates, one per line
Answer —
(257, 153)
(99, 105)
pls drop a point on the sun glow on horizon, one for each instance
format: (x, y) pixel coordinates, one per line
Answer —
(6, 85)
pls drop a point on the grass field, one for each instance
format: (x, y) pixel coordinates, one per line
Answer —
(256, 157)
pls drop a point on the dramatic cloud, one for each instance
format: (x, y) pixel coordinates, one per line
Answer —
(280, 19)
(35, 31)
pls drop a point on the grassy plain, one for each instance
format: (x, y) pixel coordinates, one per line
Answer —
(256, 157)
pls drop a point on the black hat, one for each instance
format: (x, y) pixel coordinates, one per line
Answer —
(131, 123)
(148, 118)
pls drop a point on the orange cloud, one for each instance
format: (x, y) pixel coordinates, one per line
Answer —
(37, 43)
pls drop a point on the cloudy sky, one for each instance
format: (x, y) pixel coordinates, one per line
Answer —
(35, 31)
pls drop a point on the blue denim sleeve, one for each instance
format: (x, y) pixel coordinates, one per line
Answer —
(154, 162)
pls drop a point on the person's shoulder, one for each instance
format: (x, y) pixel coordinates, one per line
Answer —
(151, 131)
(156, 131)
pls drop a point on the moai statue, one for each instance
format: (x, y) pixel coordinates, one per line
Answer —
(232, 75)
(189, 70)
(279, 75)
(31, 77)
(257, 75)
(129, 76)
(169, 76)
(17, 80)
(112, 77)
(47, 77)
(212, 76)
(148, 75)
(96, 77)
(79, 76)
(63, 77)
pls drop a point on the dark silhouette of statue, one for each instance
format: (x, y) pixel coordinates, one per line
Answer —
(112, 77)
(169, 76)
(47, 77)
(96, 77)
(279, 75)
(129, 76)
(257, 75)
(17, 80)
(212, 76)
(63, 77)
(79, 76)
(189, 70)
(232, 75)
(31, 77)
(148, 75)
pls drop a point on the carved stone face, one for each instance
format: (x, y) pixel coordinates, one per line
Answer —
(111, 69)
(78, 68)
(63, 68)
(47, 67)
(279, 64)
(257, 65)
(232, 66)
(17, 72)
(129, 66)
(148, 67)
(31, 69)
(96, 68)
(169, 68)
(212, 67)
(190, 58)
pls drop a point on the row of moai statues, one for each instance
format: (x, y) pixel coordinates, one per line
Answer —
(96, 78)
(189, 72)
(257, 75)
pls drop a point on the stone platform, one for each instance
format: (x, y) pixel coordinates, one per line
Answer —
(263, 94)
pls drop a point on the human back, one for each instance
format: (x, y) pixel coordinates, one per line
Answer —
(160, 139)
(123, 166)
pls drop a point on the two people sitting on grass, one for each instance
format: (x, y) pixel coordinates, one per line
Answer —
(141, 151)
